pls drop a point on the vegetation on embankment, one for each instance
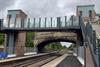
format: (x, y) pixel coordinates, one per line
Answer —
(2, 38)
(72, 46)
(98, 42)
(29, 39)
(55, 46)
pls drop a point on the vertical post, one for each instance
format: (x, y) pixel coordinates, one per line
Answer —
(58, 22)
(45, 21)
(34, 23)
(79, 21)
(28, 22)
(51, 22)
(1, 23)
(15, 21)
(72, 21)
(9, 18)
(94, 42)
(65, 21)
(39, 22)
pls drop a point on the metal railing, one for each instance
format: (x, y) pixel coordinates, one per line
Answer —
(98, 48)
(86, 38)
(42, 23)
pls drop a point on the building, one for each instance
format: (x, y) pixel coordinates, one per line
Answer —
(87, 12)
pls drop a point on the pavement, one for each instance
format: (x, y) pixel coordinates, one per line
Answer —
(70, 61)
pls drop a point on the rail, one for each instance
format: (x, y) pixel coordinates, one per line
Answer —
(29, 60)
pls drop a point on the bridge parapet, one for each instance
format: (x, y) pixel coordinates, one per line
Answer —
(17, 20)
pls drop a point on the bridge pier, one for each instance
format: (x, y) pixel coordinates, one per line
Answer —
(15, 43)
(20, 43)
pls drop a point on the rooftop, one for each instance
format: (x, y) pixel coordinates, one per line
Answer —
(19, 10)
(85, 5)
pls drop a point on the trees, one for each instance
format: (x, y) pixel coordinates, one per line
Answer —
(55, 46)
(73, 46)
(1, 38)
(98, 20)
(29, 39)
(98, 42)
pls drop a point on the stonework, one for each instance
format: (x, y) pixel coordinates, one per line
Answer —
(42, 36)
(20, 44)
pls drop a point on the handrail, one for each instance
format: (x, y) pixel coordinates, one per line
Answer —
(82, 27)
(88, 40)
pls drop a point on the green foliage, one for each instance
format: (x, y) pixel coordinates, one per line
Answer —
(29, 39)
(1, 38)
(98, 20)
(72, 47)
(98, 42)
(55, 46)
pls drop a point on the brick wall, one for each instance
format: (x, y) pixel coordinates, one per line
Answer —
(20, 43)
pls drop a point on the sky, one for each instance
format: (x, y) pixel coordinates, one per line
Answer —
(52, 8)
(38, 8)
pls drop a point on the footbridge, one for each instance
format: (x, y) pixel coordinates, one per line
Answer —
(74, 30)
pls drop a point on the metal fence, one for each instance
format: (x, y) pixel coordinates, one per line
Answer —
(44, 22)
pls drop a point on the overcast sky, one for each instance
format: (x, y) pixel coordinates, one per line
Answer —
(35, 8)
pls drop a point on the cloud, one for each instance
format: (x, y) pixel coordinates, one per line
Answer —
(5, 3)
(36, 8)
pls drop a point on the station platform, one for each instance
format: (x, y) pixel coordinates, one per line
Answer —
(66, 60)
(13, 55)
(28, 55)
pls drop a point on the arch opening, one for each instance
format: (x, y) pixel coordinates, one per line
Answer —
(47, 43)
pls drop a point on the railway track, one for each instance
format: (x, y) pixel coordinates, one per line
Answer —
(35, 61)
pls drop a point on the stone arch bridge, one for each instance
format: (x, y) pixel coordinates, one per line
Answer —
(42, 38)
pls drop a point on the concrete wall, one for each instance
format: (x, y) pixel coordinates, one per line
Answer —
(79, 52)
